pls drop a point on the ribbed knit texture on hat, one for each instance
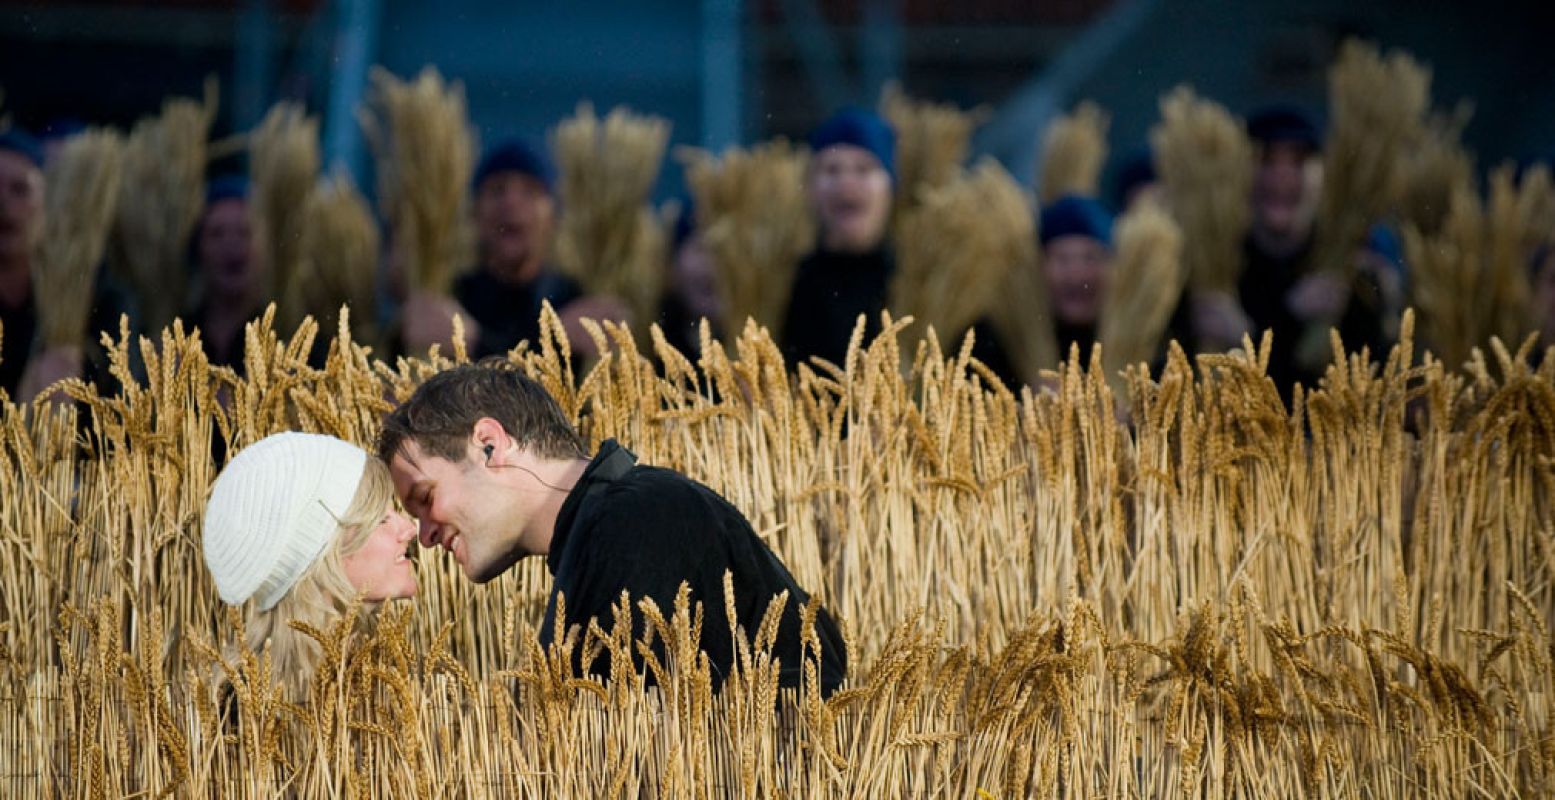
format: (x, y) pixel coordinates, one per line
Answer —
(273, 510)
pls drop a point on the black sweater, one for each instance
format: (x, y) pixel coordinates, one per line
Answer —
(645, 530)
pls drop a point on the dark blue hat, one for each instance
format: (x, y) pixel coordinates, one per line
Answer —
(23, 144)
(225, 187)
(1284, 123)
(516, 155)
(1137, 169)
(859, 128)
(1075, 215)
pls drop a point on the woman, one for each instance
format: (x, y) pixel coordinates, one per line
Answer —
(302, 525)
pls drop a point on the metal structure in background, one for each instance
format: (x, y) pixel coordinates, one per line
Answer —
(253, 64)
(722, 55)
(355, 46)
(1009, 136)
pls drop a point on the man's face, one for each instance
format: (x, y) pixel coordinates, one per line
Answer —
(1286, 187)
(226, 248)
(514, 215)
(851, 193)
(21, 205)
(461, 508)
(1076, 270)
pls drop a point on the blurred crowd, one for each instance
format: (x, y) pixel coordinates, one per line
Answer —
(851, 186)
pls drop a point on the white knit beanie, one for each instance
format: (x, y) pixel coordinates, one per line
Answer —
(273, 510)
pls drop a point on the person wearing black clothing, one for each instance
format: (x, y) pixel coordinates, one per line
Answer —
(499, 300)
(27, 365)
(1075, 233)
(494, 471)
(1280, 289)
(850, 182)
(690, 288)
(229, 271)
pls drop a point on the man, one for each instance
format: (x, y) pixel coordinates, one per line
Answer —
(229, 265)
(1279, 289)
(515, 214)
(852, 172)
(494, 471)
(26, 366)
(1075, 234)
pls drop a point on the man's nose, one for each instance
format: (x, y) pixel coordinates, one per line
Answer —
(425, 534)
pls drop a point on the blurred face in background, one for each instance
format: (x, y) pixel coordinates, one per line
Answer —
(695, 280)
(514, 216)
(1076, 271)
(851, 193)
(1286, 186)
(21, 206)
(227, 250)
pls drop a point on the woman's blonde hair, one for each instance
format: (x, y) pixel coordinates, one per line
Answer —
(323, 593)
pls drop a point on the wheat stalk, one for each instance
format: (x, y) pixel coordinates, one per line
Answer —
(283, 166)
(425, 152)
(753, 215)
(1143, 289)
(608, 238)
(1073, 151)
(1206, 166)
(338, 257)
(81, 187)
(161, 196)
(932, 142)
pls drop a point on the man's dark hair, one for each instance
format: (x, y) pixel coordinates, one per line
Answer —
(441, 413)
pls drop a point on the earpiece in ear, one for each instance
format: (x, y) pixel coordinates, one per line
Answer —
(489, 448)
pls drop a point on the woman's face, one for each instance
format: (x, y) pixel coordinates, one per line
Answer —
(226, 248)
(380, 568)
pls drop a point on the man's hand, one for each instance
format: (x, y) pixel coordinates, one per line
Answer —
(1319, 296)
(427, 319)
(45, 369)
(598, 307)
(1219, 323)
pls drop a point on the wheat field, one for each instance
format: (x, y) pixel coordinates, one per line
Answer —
(1218, 597)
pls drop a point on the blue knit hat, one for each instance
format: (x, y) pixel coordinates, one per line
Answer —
(23, 144)
(516, 155)
(1075, 215)
(225, 187)
(1282, 122)
(859, 128)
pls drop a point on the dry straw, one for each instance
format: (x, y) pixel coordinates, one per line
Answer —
(1223, 598)
(1073, 150)
(609, 238)
(1378, 108)
(338, 257)
(1206, 164)
(1143, 289)
(160, 200)
(1436, 167)
(932, 142)
(283, 161)
(753, 216)
(81, 188)
(1470, 279)
(425, 151)
(958, 246)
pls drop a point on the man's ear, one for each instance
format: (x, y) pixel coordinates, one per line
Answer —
(489, 441)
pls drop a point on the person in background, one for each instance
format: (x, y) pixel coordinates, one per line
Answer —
(229, 271)
(850, 185)
(691, 291)
(298, 527)
(1280, 290)
(516, 212)
(1075, 233)
(27, 367)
